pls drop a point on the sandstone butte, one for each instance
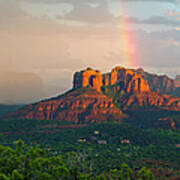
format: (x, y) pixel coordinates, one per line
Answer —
(86, 103)
(129, 80)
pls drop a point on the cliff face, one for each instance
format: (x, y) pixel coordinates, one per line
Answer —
(141, 88)
(79, 106)
(151, 100)
(89, 77)
(160, 84)
(129, 81)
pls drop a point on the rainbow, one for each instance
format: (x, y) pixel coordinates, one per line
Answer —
(128, 43)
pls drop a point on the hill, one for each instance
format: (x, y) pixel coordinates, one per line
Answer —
(97, 97)
(79, 106)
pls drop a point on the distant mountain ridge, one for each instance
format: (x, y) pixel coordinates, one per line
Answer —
(98, 97)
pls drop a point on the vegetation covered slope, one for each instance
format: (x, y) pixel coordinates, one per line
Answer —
(145, 109)
(80, 106)
(34, 163)
(105, 146)
(5, 109)
(176, 92)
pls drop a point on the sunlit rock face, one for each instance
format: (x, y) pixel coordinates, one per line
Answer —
(140, 81)
(160, 84)
(88, 77)
(78, 106)
(151, 101)
(128, 80)
(143, 89)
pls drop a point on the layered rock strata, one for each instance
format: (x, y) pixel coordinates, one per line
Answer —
(128, 80)
(88, 77)
(76, 106)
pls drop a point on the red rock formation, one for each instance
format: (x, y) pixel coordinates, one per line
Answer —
(114, 77)
(89, 104)
(75, 106)
(161, 84)
(151, 100)
(131, 81)
(89, 77)
(137, 84)
(126, 80)
(106, 80)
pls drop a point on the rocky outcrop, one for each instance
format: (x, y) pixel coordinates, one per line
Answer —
(88, 77)
(137, 84)
(105, 80)
(160, 84)
(128, 80)
(113, 77)
(150, 100)
(78, 106)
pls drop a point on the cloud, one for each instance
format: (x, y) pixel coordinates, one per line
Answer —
(89, 14)
(12, 16)
(160, 20)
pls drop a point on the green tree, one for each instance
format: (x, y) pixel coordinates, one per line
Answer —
(101, 177)
(125, 172)
(145, 174)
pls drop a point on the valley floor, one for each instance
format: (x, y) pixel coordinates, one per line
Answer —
(101, 147)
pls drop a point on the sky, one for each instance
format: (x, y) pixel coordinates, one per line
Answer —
(43, 42)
